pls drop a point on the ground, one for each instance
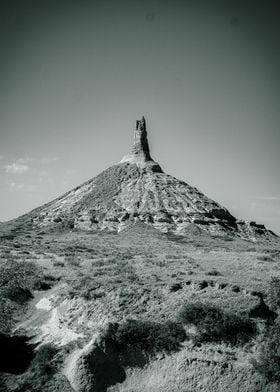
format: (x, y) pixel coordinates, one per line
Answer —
(82, 281)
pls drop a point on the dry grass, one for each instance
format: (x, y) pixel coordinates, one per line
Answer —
(131, 275)
(195, 371)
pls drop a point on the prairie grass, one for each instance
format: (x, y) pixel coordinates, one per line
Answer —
(181, 372)
(131, 275)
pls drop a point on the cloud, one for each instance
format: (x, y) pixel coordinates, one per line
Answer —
(15, 186)
(46, 160)
(268, 198)
(22, 165)
(16, 167)
(24, 160)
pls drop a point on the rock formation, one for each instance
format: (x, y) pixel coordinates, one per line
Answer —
(140, 154)
(136, 189)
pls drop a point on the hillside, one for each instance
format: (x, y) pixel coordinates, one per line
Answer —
(136, 189)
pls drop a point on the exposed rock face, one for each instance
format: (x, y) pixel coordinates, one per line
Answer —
(141, 146)
(137, 189)
(140, 154)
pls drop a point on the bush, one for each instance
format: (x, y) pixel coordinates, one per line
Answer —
(44, 362)
(269, 360)
(17, 279)
(273, 294)
(213, 272)
(42, 370)
(265, 258)
(213, 324)
(68, 223)
(149, 336)
(8, 310)
(72, 260)
(18, 294)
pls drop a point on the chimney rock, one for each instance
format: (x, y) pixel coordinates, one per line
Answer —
(140, 154)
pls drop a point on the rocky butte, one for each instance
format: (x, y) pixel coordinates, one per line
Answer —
(96, 297)
(137, 189)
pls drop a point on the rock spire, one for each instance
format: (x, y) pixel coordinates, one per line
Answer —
(141, 146)
(140, 154)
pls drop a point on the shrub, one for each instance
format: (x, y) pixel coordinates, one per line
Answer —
(44, 362)
(46, 282)
(213, 324)
(72, 260)
(18, 294)
(15, 274)
(17, 279)
(265, 258)
(149, 336)
(269, 359)
(213, 272)
(175, 287)
(273, 294)
(68, 223)
(8, 309)
(41, 373)
(58, 263)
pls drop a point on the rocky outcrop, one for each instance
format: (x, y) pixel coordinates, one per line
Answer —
(140, 154)
(141, 145)
(137, 189)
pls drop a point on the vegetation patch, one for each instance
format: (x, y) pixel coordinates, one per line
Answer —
(268, 363)
(17, 280)
(214, 324)
(273, 294)
(40, 374)
(149, 336)
(214, 272)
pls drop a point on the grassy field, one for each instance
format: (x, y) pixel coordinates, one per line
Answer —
(62, 288)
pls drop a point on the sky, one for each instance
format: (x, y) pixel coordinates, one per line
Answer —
(76, 75)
